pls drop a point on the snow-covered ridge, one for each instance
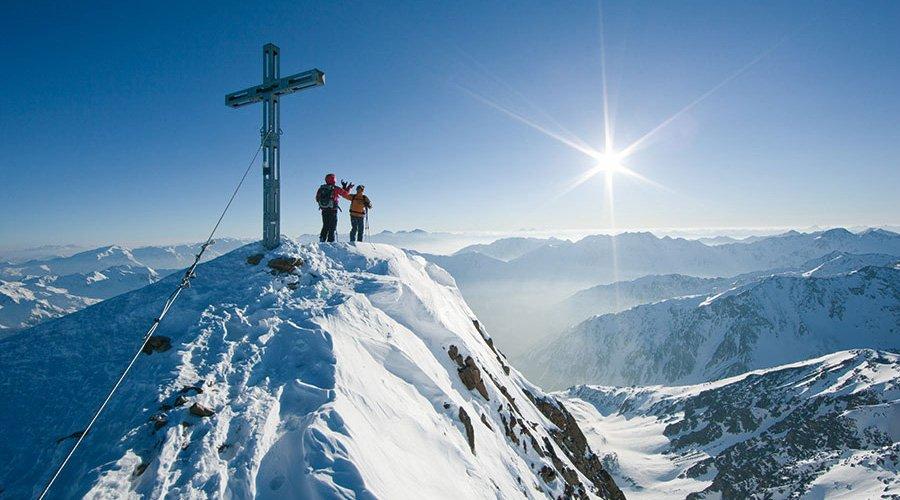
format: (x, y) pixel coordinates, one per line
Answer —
(823, 427)
(361, 372)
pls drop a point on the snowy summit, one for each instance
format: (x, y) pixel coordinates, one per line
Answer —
(334, 371)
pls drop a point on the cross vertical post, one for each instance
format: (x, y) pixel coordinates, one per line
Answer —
(269, 93)
(270, 132)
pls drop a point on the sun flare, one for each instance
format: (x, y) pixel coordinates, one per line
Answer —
(610, 163)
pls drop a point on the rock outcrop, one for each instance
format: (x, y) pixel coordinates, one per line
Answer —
(470, 431)
(284, 265)
(157, 343)
(469, 372)
(570, 439)
(200, 410)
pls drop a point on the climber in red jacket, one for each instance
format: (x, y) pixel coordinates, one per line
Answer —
(327, 197)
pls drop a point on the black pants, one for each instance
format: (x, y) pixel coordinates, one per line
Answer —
(357, 228)
(329, 225)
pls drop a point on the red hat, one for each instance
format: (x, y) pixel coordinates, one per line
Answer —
(329, 179)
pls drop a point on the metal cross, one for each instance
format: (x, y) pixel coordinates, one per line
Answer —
(270, 91)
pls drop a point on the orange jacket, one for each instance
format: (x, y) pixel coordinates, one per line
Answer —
(359, 205)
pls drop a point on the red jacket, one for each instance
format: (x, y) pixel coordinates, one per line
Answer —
(338, 192)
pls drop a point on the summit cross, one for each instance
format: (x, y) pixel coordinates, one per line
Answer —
(269, 92)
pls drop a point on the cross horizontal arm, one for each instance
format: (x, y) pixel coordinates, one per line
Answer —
(282, 86)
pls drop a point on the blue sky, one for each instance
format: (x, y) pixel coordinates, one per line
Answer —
(114, 127)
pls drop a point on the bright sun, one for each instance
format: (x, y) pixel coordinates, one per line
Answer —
(610, 163)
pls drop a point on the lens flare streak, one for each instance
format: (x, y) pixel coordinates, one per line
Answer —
(516, 116)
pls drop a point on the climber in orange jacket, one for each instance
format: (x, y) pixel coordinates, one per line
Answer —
(359, 208)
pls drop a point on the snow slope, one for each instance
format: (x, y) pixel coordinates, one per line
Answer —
(768, 322)
(361, 373)
(823, 428)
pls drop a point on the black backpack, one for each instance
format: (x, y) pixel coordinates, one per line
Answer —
(325, 197)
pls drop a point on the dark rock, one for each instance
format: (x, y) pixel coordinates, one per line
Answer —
(157, 343)
(470, 375)
(571, 441)
(488, 340)
(255, 259)
(74, 435)
(188, 388)
(508, 429)
(536, 446)
(470, 431)
(485, 422)
(140, 468)
(199, 410)
(454, 354)
(547, 474)
(446, 406)
(180, 401)
(508, 396)
(284, 264)
(165, 407)
(490, 343)
(159, 421)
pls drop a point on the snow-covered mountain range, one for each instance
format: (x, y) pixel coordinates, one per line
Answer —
(310, 371)
(771, 321)
(37, 290)
(99, 259)
(823, 428)
(415, 239)
(519, 298)
(622, 295)
(14, 255)
(600, 258)
(506, 249)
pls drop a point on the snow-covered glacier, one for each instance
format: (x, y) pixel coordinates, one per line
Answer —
(310, 371)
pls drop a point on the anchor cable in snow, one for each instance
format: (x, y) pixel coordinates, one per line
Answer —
(184, 283)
